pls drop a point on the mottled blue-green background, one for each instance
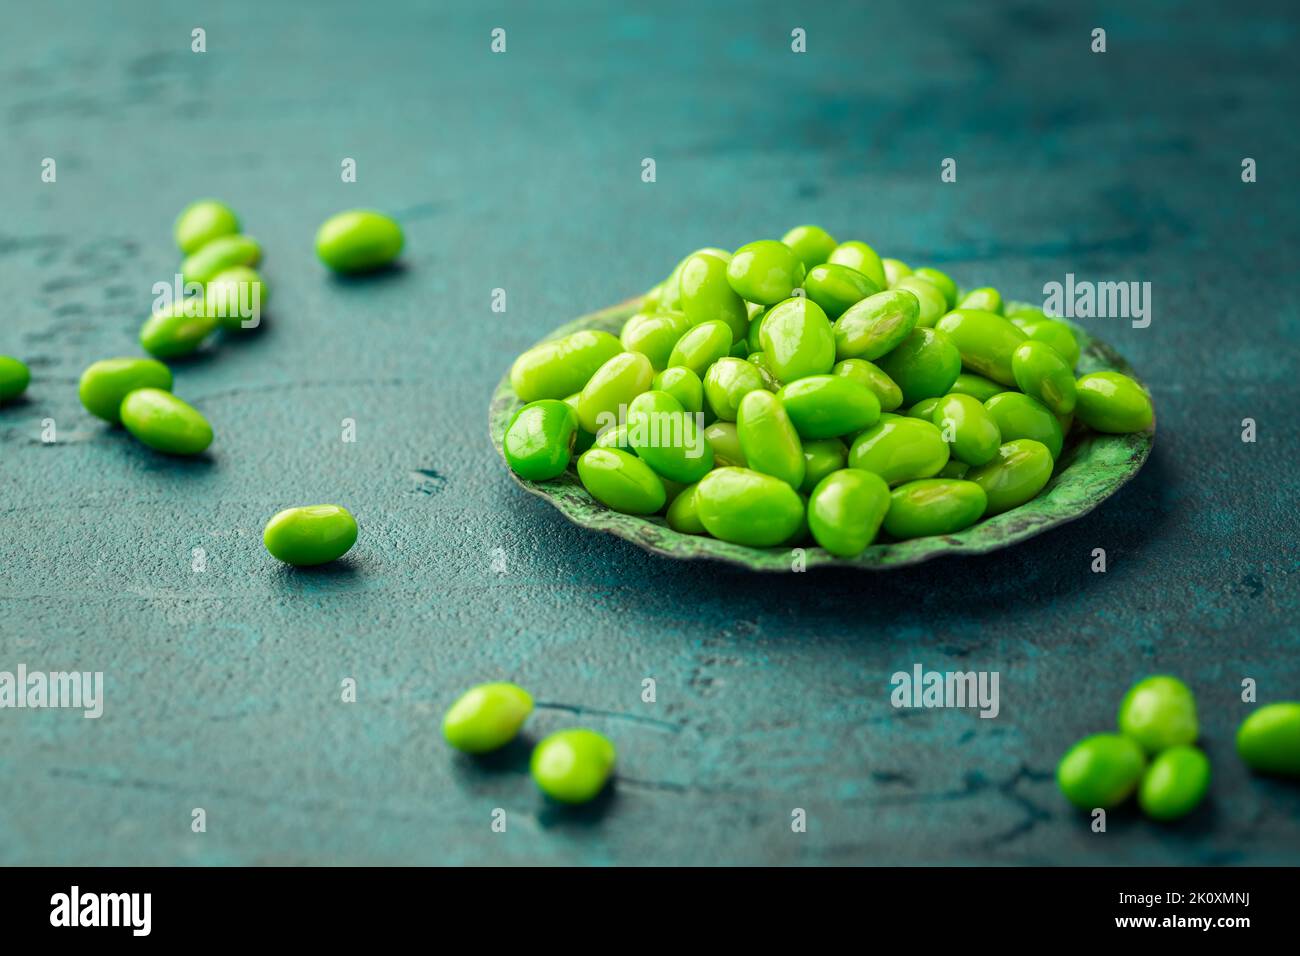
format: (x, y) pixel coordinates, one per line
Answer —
(522, 171)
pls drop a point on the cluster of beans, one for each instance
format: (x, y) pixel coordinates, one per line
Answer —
(839, 393)
(135, 391)
(1154, 752)
(571, 766)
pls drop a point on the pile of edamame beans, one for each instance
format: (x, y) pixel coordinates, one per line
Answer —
(221, 290)
(808, 387)
(1154, 753)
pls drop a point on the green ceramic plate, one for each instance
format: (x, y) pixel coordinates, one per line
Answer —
(1092, 467)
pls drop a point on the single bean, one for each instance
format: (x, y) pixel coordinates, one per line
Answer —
(201, 222)
(860, 257)
(621, 481)
(827, 406)
(986, 342)
(986, 300)
(682, 384)
(165, 423)
(1016, 475)
(1019, 416)
(835, 288)
(977, 386)
(667, 438)
(573, 766)
(747, 507)
(1041, 373)
(1113, 403)
(753, 338)
(177, 329)
(14, 378)
(611, 388)
(359, 240)
(708, 296)
(924, 409)
(875, 326)
(725, 442)
(845, 511)
(561, 366)
(797, 339)
(931, 305)
(1269, 739)
(969, 429)
(315, 534)
(539, 440)
(1056, 334)
(769, 439)
(955, 469)
(924, 365)
(895, 269)
(821, 457)
(486, 717)
(869, 374)
(1159, 712)
(941, 281)
(812, 244)
(1100, 771)
(1175, 783)
(684, 514)
(931, 506)
(222, 253)
(900, 449)
(654, 336)
(670, 290)
(766, 271)
(727, 381)
(701, 346)
(617, 436)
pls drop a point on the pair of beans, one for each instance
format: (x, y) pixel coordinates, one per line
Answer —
(571, 766)
(958, 403)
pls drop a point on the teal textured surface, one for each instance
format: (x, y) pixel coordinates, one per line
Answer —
(522, 171)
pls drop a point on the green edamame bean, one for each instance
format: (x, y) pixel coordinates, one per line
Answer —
(836, 287)
(931, 305)
(359, 240)
(759, 361)
(924, 409)
(1269, 739)
(178, 329)
(307, 536)
(621, 481)
(895, 269)
(986, 299)
(727, 381)
(753, 340)
(539, 439)
(236, 296)
(955, 469)
(941, 281)
(1019, 416)
(725, 442)
(701, 346)
(766, 271)
(821, 457)
(216, 256)
(1159, 712)
(201, 222)
(845, 511)
(1174, 784)
(875, 326)
(1056, 334)
(670, 290)
(14, 378)
(797, 339)
(1016, 475)
(929, 506)
(812, 244)
(769, 439)
(615, 437)
(860, 257)
(1041, 373)
(684, 514)
(1100, 771)
(165, 423)
(654, 335)
(969, 429)
(682, 384)
(977, 386)
(612, 388)
(986, 342)
(708, 296)
(924, 365)
(1112, 403)
(748, 507)
(667, 438)
(573, 766)
(562, 366)
(105, 383)
(827, 406)
(486, 717)
(900, 449)
(869, 374)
